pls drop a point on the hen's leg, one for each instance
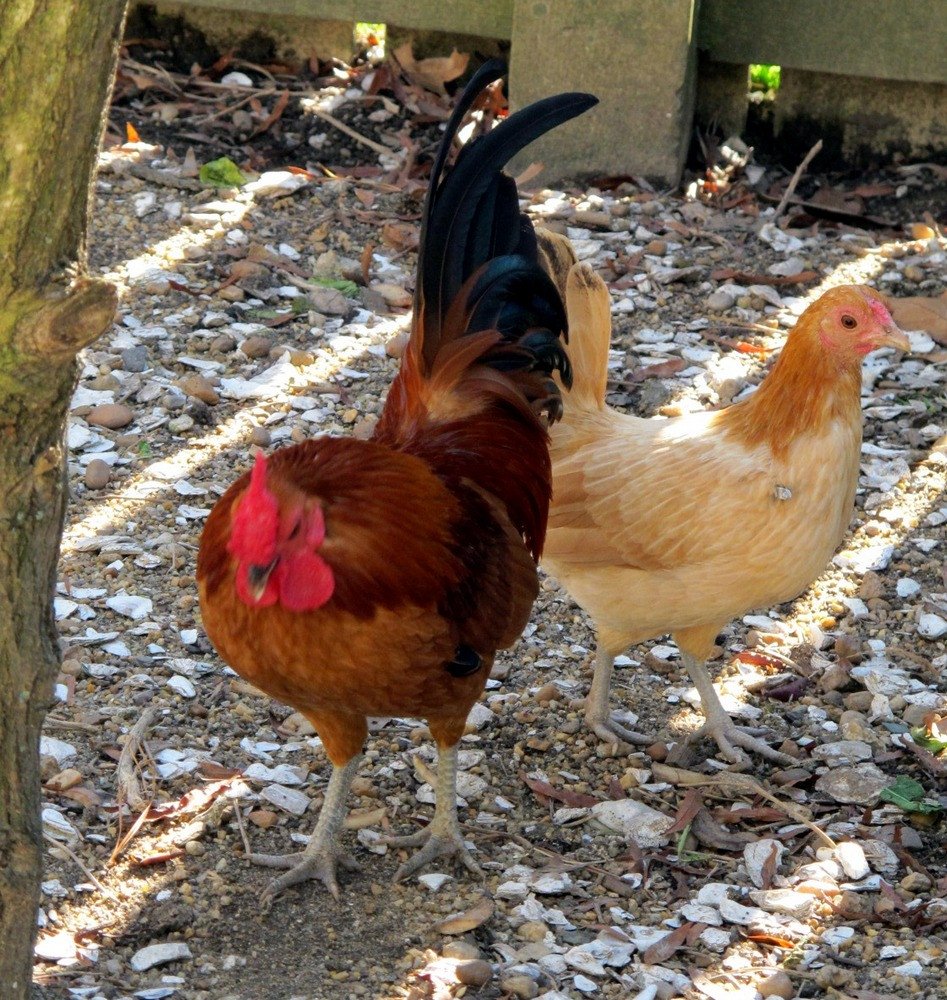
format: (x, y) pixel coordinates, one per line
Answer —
(718, 725)
(597, 716)
(323, 853)
(442, 836)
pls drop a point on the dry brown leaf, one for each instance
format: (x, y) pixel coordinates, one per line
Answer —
(367, 198)
(359, 818)
(468, 920)
(665, 947)
(662, 369)
(921, 312)
(400, 235)
(711, 834)
(432, 73)
(689, 807)
(573, 799)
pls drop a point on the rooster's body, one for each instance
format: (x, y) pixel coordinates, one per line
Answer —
(680, 525)
(353, 579)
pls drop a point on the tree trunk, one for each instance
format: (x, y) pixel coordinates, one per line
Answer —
(57, 62)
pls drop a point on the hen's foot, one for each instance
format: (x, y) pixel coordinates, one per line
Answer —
(730, 738)
(609, 729)
(303, 866)
(433, 845)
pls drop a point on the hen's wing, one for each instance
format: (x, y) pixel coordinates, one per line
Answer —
(652, 494)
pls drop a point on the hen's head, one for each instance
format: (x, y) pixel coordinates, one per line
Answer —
(275, 538)
(853, 320)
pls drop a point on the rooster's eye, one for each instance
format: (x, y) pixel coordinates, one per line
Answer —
(296, 529)
(849, 321)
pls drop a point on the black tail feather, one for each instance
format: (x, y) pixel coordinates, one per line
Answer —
(472, 223)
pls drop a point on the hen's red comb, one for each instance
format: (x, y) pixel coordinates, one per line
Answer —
(880, 311)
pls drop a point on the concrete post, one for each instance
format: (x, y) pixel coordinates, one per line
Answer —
(638, 58)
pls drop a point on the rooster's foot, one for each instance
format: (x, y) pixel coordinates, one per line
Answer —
(433, 845)
(730, 738)
(302, 867)
(608, 728)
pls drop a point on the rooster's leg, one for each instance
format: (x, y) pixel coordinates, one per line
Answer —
(597, 716)
(720, 727)
(442, 836)
(322, 853)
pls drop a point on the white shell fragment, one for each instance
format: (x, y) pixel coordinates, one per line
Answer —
(131, 606)
(159, 954)
(634, 821)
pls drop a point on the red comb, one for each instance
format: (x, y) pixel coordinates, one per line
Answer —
(880, 311)
(253, 533)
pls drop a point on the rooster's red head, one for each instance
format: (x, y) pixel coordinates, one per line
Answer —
(275, 538)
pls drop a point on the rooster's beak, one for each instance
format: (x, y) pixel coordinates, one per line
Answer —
(891, 336)
(257, 578)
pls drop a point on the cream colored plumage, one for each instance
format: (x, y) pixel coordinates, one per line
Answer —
(679, 525)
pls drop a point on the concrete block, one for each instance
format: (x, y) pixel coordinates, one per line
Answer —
(871, 38)
(638, 59)
(483, 18)
(721, 97)
(859, 120)
(240, 25)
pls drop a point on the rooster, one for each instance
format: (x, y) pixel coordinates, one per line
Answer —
(679, 525)
(353, 578)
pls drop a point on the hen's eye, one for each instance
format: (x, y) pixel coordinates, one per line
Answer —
(295, 532)
(849, 321)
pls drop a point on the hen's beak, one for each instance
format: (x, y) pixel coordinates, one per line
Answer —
(891, 336)
(257, 577)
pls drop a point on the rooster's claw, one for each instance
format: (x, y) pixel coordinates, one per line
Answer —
(608, 729)
(434, 846)
(730, 738)
(302, 867)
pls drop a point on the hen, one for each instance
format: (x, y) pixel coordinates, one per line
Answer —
(679, 525)
(352, 578)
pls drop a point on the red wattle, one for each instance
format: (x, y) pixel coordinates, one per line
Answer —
(305, 582)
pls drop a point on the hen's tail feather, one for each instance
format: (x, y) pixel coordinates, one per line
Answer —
(588, 304)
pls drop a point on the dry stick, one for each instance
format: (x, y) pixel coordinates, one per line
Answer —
(232, 107)
(243, 830)
(788, 193)
(128, 788)
(103, 889)
(342, 127)
(53, 722)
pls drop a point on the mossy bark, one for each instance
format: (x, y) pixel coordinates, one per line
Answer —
(57, 62)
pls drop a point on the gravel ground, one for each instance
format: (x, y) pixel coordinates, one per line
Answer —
(609, 873)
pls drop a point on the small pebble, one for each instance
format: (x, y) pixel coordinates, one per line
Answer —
(110, 415)
(475, 972)
(178, 425)
(777, 984)
(256, 347)
(97, 474)
(135, 359)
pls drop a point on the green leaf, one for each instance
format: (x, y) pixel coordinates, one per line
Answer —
(144, 449)
(924, 739)
(222, 173)
(346, 287)
(908, 794)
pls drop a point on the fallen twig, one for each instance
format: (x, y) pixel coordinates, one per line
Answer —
(88, 874)
(342, 127)
(163, 177)
(53, 722)
(794, 180)
(128, 788)
(243, 830)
